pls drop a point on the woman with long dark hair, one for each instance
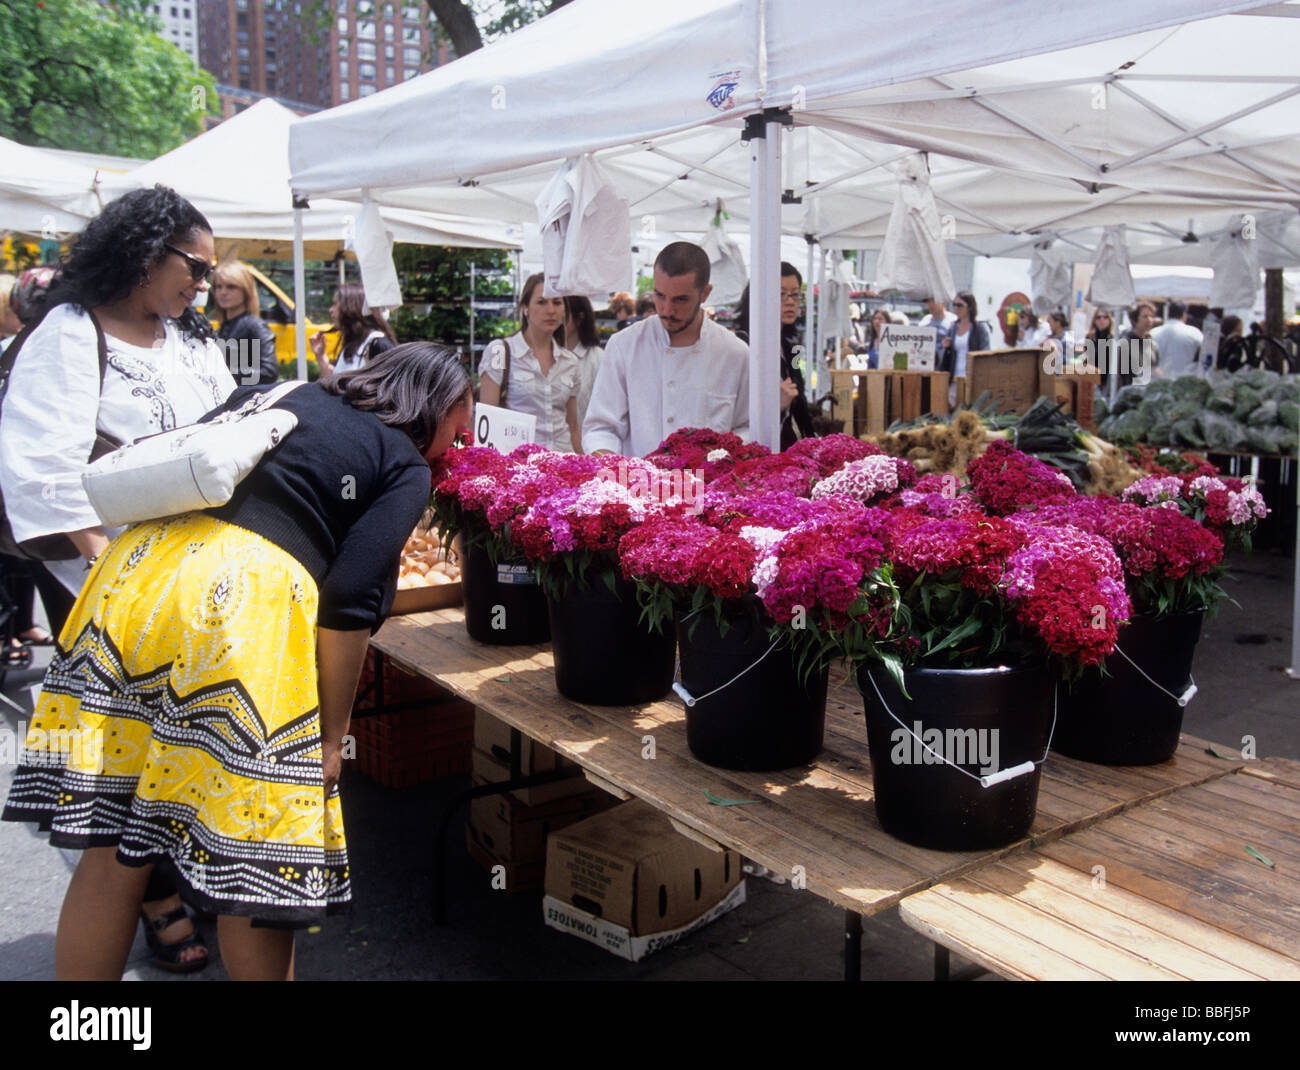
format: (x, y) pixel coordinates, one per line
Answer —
(967, 336)
(216, 655)
(582, 340)
(363, 333)
(130, 280)
(796, 418)
(533, 371)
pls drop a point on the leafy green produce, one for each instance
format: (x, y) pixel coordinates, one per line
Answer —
(1248, 400)
(1220, 431)
(1288, 414)
(1263, 416)
(1191, 388)
(1188, 434)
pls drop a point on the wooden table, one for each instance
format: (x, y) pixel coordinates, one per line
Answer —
(1165, 890)
(814, 825)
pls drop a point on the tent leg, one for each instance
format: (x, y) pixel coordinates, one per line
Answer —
(763, 132)
(299, 289)
(1294, 670)
(809, 339)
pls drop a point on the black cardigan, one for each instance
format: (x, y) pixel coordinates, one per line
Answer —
(249, 328)
(341, 494)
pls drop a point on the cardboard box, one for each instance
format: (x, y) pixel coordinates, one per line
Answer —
(627, 881)
(511, 877)
(513, 832)
(492, 736)
(491, 770)
(1010, 375)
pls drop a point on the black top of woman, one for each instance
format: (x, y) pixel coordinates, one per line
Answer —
(341, 494)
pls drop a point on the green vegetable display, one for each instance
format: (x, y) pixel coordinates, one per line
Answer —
(1254, 410)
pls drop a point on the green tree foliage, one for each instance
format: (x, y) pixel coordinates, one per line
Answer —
(75, 74)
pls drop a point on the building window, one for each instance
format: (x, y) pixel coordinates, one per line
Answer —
(365, 50)
(366, 71)
(345, 91)
(270, 54)
(343, 68)
(365, 91)
(270, 84)
(388, 11)
(186, 12)
(389, 32)
(411, 12)
(343, 25)
(411, 56)
(242, 36)
(411, 34)
(389, 51)
(241, 19)
(244, 83)
(366, 30)
(390, 76)
(240, 5)
(365, 8)
(242, 53)
(270, 68)
(343, 46)
(410, 72)
(343, 7)
(174, 13)
(243, 71)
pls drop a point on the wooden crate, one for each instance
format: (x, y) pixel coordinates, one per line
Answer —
(1010, 375)
(1076, 389)
(879, 397)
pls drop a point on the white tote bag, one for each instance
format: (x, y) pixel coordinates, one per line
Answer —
(186, 468)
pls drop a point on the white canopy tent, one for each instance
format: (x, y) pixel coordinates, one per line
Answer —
(1172, 111)
(44, 192)
(237, 174)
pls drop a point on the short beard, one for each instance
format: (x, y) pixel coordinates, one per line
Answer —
(690, 321)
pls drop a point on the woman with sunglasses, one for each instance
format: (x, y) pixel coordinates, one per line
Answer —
(130, 278)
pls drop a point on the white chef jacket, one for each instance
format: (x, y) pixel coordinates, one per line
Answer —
(646, 389)
(1180, 349)
(528, 390)
(54, 404)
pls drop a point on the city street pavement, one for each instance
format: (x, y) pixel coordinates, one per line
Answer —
(778, 934)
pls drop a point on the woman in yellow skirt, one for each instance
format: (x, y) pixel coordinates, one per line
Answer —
(196, 704)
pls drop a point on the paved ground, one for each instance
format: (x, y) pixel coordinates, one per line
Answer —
(779, 934)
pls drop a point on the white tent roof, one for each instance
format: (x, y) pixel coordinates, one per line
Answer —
(494, 126)
(237, 174)
(42, 190)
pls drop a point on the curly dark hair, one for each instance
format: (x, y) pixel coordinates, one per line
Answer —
(112, 254)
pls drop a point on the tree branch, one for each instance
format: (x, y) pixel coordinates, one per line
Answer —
(455, 17)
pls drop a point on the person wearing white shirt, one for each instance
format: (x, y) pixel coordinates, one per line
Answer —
(1178, 344)
(582, 340)
(1033, 331)
(675, 370)
(534, 371)
(940, 317)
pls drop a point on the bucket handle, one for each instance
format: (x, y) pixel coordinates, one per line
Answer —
(990, 779)
(1189, 692)
(691, 700)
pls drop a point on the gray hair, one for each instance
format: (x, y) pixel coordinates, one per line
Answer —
(412, 387)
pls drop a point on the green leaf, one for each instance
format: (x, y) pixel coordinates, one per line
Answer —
(1255, 854)
(718, 800)
(502, 679)
(1226, 757)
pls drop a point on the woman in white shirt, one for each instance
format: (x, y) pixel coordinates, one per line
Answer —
(133, 274)
(532, 372)
(363, 333)
(1061, 340)
(583, 341)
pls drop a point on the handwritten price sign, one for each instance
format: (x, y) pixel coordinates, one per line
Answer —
(502, 429)
(907, 348)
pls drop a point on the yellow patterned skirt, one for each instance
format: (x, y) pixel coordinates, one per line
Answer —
(179, 720)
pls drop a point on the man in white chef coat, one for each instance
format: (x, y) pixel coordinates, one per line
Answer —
(674, 370)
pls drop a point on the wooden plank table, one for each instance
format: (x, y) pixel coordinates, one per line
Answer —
(818, 817)
(1165, 890)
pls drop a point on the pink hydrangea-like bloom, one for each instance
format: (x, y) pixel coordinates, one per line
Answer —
(1007, 481)
(866, 479)
(831, 452)
(1152, 489)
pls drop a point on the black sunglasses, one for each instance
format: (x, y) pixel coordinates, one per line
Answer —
(199, 269)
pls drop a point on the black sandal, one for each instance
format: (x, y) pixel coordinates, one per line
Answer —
(16, 657)
(168, 956)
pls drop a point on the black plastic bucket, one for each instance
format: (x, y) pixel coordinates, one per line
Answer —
(504, 605)
(603, 656)
(1124, 718)
(763, 718)
(925, 802)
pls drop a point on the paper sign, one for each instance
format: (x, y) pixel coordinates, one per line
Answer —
(502, 429)
(1211, 331)
(907, 348)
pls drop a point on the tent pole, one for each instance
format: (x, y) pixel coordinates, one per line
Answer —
(819, 341)
(299, 288)
(763, 132)
(1294, 670)
(813, 358)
